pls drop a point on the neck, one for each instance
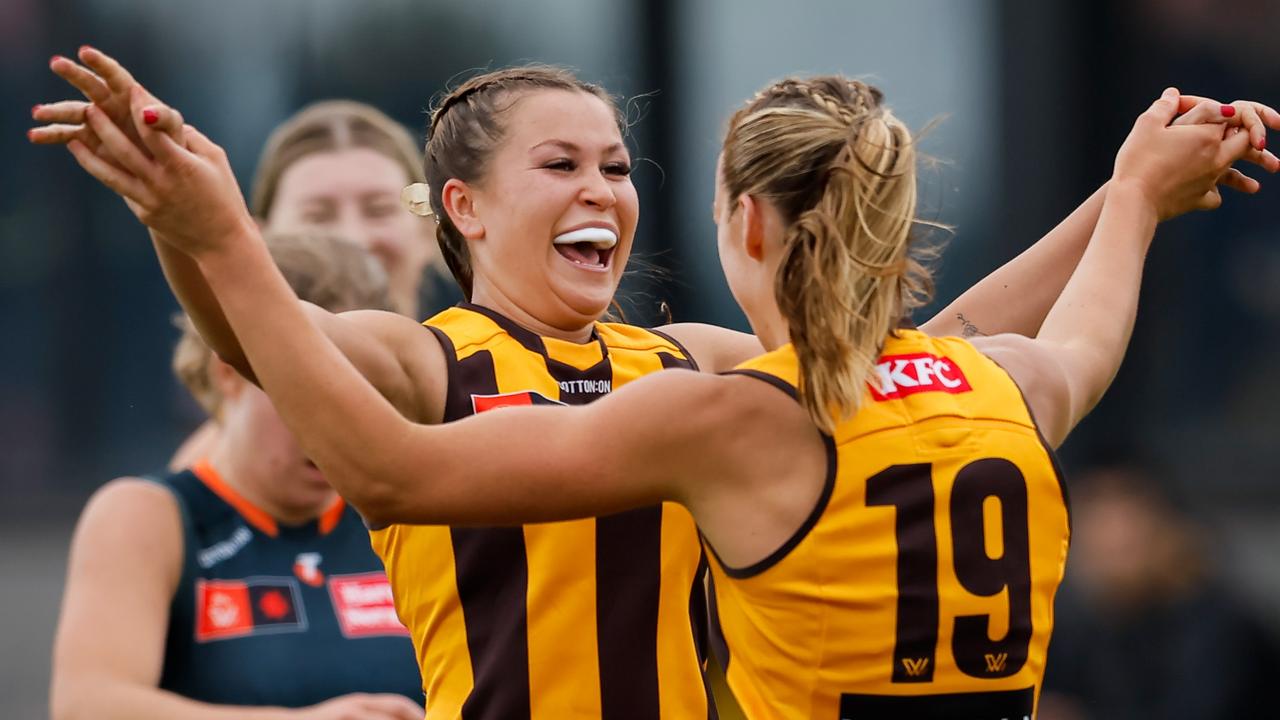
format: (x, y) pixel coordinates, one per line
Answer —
(487, 296)
(237, 470)
(769, 326)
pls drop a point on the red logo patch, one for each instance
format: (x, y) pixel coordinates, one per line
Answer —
(481, 403)
(237, 608)
(897, 376)
(364, 605)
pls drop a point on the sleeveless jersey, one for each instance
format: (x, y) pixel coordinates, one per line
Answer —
(921, 586)
(268, 614)
(595, 618)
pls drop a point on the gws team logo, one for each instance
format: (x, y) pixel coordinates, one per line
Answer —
(482, 403)
(253, 606)
(307, 567)
(897, 376)
(364, 605)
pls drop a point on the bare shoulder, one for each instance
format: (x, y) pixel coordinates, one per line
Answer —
(714, 348)
(131, 522)
(1039, 374)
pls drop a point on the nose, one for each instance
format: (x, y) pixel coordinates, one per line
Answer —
(597, 191)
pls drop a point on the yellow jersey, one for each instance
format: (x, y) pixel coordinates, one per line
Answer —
(596, 618)
(921, 586)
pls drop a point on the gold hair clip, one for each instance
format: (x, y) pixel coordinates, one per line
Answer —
(416, 198)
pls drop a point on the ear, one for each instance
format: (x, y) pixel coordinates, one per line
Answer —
(459, 202)
(753, 226)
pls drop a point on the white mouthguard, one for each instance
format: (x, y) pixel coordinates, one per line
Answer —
(602, 238)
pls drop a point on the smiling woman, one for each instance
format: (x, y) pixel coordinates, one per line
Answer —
(588, 618)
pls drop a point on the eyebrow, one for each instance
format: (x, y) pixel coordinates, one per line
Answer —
(572, 148)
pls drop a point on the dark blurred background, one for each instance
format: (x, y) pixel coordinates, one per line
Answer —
(1033, 99)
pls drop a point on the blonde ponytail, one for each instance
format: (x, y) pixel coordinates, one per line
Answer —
(841, 170)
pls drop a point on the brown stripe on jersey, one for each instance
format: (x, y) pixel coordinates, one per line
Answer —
(628, 569)
(670, 361)
(719, 646)
(492, 574)
(628, 574)
(493, 581)
(689, 360)
(698, 621)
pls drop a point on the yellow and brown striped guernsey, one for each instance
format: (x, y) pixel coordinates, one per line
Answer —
(922, 584)
(596, 618)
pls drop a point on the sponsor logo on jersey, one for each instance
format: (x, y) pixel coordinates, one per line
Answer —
(364, 605)
(482, 403)
(915, 667)
(238, 608)
(897, 376)
(586, 387)
(996, 662)
(307, 567)
(224, 550)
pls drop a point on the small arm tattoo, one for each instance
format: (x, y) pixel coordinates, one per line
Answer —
(970, 330)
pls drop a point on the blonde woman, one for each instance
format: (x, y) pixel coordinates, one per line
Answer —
(530, 184)
(241, 586)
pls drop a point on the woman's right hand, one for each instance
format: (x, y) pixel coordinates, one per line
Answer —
(1177, 167)
(173, 178)
(363, 706)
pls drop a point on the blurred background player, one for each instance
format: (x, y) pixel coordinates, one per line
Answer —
(340, 166)
(243, 585)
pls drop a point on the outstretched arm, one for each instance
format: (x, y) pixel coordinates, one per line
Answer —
(1017, 296)
(1160, 171)
(114, 138)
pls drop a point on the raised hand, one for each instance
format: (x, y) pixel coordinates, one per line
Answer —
(106, 84)
(1245, 116)
(1177, 167)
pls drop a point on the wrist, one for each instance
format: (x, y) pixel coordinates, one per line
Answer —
(230, 247)
(1132, 193)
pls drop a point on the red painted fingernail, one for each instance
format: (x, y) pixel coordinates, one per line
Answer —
(1262, 144)
(1228, 111)
(55, 59)
(35, 109)
(31, 134)
(150, 117)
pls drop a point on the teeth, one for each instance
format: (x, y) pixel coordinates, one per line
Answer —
(602, 238)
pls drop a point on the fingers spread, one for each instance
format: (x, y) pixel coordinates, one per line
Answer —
(159, 125)
(66, 111)
(116, 77)
(119, 145)
(1239, 182)
(53, 134)
(86, 82)
(113, 177)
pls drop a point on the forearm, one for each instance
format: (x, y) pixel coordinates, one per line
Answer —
(1090, 324)
(117, 700)
(200, 304)
(1017, 296)
(342, 422)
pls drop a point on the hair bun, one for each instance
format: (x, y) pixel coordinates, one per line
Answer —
(416, 198)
